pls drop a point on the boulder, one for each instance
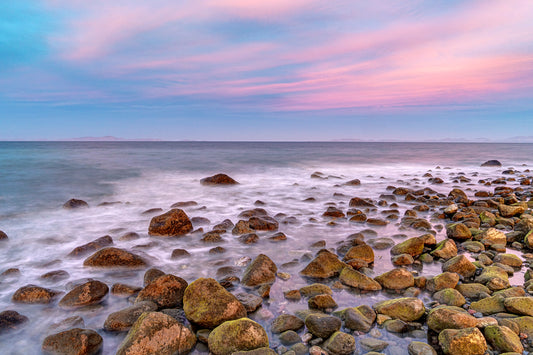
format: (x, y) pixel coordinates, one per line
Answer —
(3, 236)
(462, 341)
(93, 246)
(419, 348)
(325, 265)
(261, 270)
(359, 318)
(166, 291)
(492, 236)
(322, 302)
(237, 335)
(173, 223)
(503, 339)
(408, 309)
(519, 305)
(445, 249)
(449, 317)
(114, 258)
(286, 322)
(489, 305)
(157, 333)
(460, 265)
(396, 279)
(263, 223)
(89, 293)
(249, 301)
(218, 179)
(208, 304)
(494, 277)
(322, 325)
(359, 202)
(511, 211)
(11, 320)
(411, 246)
(73, 342)
(356, 279)
(123, 320)
(450, 297)
(340, 343)
(34, 294)
(442, 281)
(362, 252)
(491, 163)
(458, 231)
(473, 290)
(509, 260)
(315, 289)
(74, 204)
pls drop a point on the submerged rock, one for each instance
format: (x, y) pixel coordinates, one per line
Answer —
(340, 344)
(173, 223)
(93, 246)
(72, 342)
(74, 203)
(237, 335)
(286, 322)
(11, 320)
(359, 318)
(218, 179)
(123, 320)
(322, 325)
(114, 258)
(488, 163)
(34, 294)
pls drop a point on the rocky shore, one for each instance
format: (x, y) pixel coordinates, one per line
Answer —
(477, 235)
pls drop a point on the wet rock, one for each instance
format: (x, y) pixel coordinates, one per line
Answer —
(503, 339)
(114, 258)
(11, 320)
(450, 297)
(411, 246)
(91, 247)
(519, 305)
(34, 294)
(56, 275)
(359, 319)
(286, 322)
(212, 237)
(242, 227)
(460, 265)
(166, 291)
(356, 279)
(237, 335)
(89, 293)
(152, 274)
(445, 249)
(315, 289)
(277, 237)
(249, 301)
(489, 305)
(463, 341)
(173, 223)
(218, 179)
(258, 351)
(289, 337)
(511, 211)
(263, 224)
(490, 163)
(396, 279)
(473, 290)
(208, 304)
(74, 204)
(372, 344)
(322, 302)
(179, 254)
(261, 270)
(124, 319)
(449, 317)
(325, 265)
(492, 236)
(333, 212)
(362, 252)
(408, 309)
(66, 324)
(359, 202)
(402, 260)
(442, 281)
(509, 260)
(157, 333)
(458, 231)
(494, 277)
(3, 236)
(340, 344)
(419, 348)
(73, 342)
(123, 290)
(249, 238)
(322, 325)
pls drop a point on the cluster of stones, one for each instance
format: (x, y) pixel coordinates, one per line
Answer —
(474, 307)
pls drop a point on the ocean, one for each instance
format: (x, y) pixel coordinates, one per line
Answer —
(121, 180)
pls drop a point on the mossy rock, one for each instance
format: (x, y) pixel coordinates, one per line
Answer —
(445, 249)
(356, 279)
(473, 290)
(450, 297)
(489, 305)
(449, 317)
(396, 279)
(503, 339)
(519, 305)
(407, 309)
(340, 344)
(315, 289)
(237, 335)
(442, 281)
(460, 265)
(462, 341)
(324, 266)
(411, 246)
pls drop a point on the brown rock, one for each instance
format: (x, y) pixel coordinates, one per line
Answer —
(122, 320)
(261, 270)
(363, 252)
(325, 265)
(166, 291)
(114, 257)
(461, 265)
(73, 203)
(89, 293)
(396, 279)
(123, 290)
(218, 179)
(91, 247)
(73, 342)
(12, 320)
(34, 294)
(173, 223)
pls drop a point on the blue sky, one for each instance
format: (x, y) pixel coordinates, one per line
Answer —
(241, 70)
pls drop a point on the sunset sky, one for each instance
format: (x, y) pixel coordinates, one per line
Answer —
(266, 70)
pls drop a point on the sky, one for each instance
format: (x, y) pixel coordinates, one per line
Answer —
(266, 70)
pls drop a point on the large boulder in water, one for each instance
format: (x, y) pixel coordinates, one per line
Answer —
(157, 333)
(12, 320)
(260, 271)
(166, 291)
(89, 293)
(218, 179)
(492, 163)
(73, 341)
(173, 223)
(114, 258)
(93, 246)
(74, 203)
(325, 265)
(208, 304)
(237, 335)
(34, 294)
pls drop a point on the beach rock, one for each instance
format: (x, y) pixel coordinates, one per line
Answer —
(494, 277)
(157, 333)
(286, 322)
(519, 305)
(356, 279)
(325, 265)
(249, 301)
(464, 341)
(3, 236)
(208, 304)
(359, 318)
(11, 320)
(315, 289)
(450, 297)
(511, 211)
(74, 204)
(258, 351)
(503, 339)
(408, 309)
(34, 294)
(261, 270)
(289, 337)
(179, 254)
(152, 274)
(419, 348)
(490, 163)
(509, 260)
(263, 223)
(249, 238)
(73, 342)
(359, 202)
(111, 257)
(402, 260)
(322, 325)
(442, 281)
(123, 320)
(172, 223)
(449, 317)
(218, 179)
(91, 247)
(123, 290)
(473, 290)
(492, 236)
(362, 252)
(354, 182)
(396, 279)
(322, 302)
(411, 246)
(237, 335)
(333, 212)
(89, 293)
(489, 305)
(373, 345)
(460, 265)
(242, 227)
(458, 196)
(55, 275)
(445, 249)
(340, 343)
(458, 231)
(166, 291)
